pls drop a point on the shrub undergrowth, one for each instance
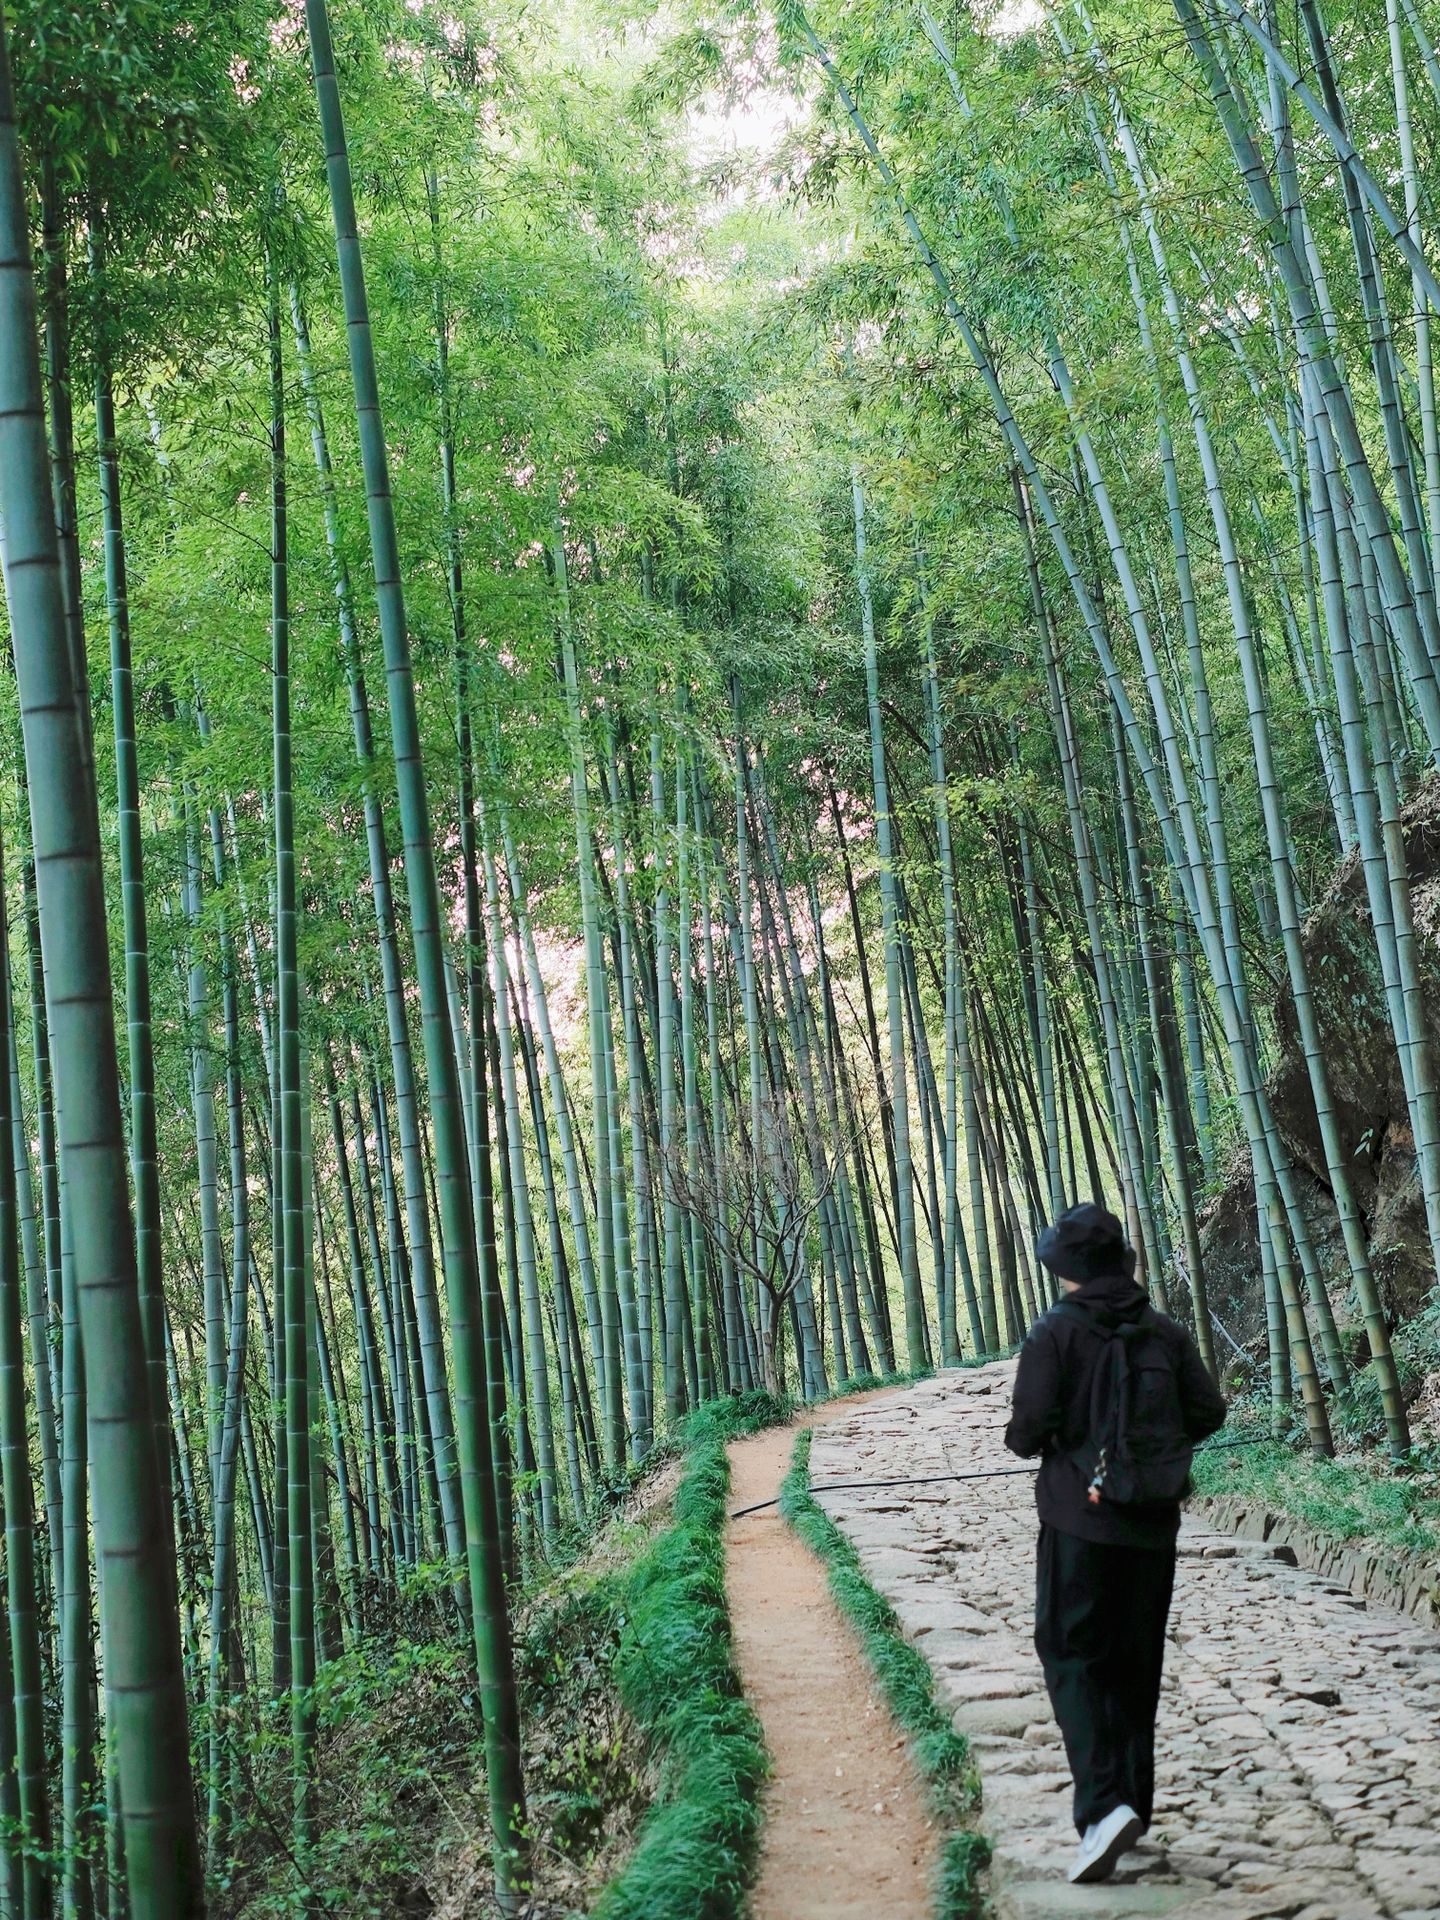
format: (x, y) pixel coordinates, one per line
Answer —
(942, 1754)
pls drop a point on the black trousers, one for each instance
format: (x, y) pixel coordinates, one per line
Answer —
(1100, 1615)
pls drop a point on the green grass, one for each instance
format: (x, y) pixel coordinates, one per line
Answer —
(942, 1754)
(1362, 1496)
(1357, 1498)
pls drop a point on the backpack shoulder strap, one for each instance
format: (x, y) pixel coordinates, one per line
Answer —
(1158, 1327)
(1108, 1386)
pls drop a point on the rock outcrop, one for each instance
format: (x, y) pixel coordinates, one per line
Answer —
(1367, 1091)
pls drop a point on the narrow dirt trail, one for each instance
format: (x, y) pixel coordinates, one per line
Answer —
(847, 1834)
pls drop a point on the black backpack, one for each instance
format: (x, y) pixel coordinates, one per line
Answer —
(1136, 1452)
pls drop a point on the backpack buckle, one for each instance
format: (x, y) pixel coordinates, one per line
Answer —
(1097, 1480)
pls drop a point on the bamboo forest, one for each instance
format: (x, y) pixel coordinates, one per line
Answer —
(672, 671)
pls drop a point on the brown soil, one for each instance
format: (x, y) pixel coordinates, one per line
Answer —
(847, 1835)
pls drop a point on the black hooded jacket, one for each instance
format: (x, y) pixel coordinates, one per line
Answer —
(1050, 1413)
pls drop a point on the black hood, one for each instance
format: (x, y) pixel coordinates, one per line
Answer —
(1116, 1296)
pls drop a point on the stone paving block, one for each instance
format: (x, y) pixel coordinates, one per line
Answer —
(1016, 1715)
(1055, 1900)
(1299, 1751)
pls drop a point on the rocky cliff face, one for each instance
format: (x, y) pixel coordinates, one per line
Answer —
(1368, 1093)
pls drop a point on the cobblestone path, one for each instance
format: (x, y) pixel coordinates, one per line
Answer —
(1299, 1750)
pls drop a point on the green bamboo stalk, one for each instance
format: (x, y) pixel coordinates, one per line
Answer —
(836, 1244)
(738, 1374)
(11, 1881)
(329, 1611)
(140, 1052)
(280, 1648)
(537, 1002)
(1172, 1093)
(539, 1374)
(786, 965)
(932, 1126)
(289, 1196)
(745, 967)
(224, 1674)
(379, 1447)
(630, 1319)
(393, 1400)
(202, 1099)
(1121, 1095)
(462, 1279)
(143, 1650)
(406, 1364)
(640, 1339)
(476, 1114)
(916, 1333)
(608, 1355)
(872, 1267)
(872, 1025)
(46, 1158)
(420, 1245)
(671, 1178)
(38, 1327)
(855, 1277)
(482, 1169)
(33, 1838)
(957, 1250)
(572, 1380)
(689, 1074)
(347, 1602)
(77, 1672)
(60, 412)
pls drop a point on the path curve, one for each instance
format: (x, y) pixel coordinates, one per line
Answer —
(847, 1834)
(1299, 1753)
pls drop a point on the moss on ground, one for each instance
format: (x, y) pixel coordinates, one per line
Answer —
(942, 1754)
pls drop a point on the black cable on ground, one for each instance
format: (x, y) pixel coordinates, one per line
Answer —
(987, 1473)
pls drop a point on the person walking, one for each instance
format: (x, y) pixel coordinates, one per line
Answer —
(1113, 1396)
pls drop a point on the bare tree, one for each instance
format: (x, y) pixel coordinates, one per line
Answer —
(757, 1203)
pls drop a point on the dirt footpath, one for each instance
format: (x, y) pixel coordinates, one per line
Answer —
(1299, 1751)
(847, 1835)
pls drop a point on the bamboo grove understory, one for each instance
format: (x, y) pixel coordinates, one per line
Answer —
(626, 765)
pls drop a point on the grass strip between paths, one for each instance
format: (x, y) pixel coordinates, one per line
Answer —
(675, 1670)
(942, 1754)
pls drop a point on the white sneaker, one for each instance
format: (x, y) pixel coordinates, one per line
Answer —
(1104, 1843)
